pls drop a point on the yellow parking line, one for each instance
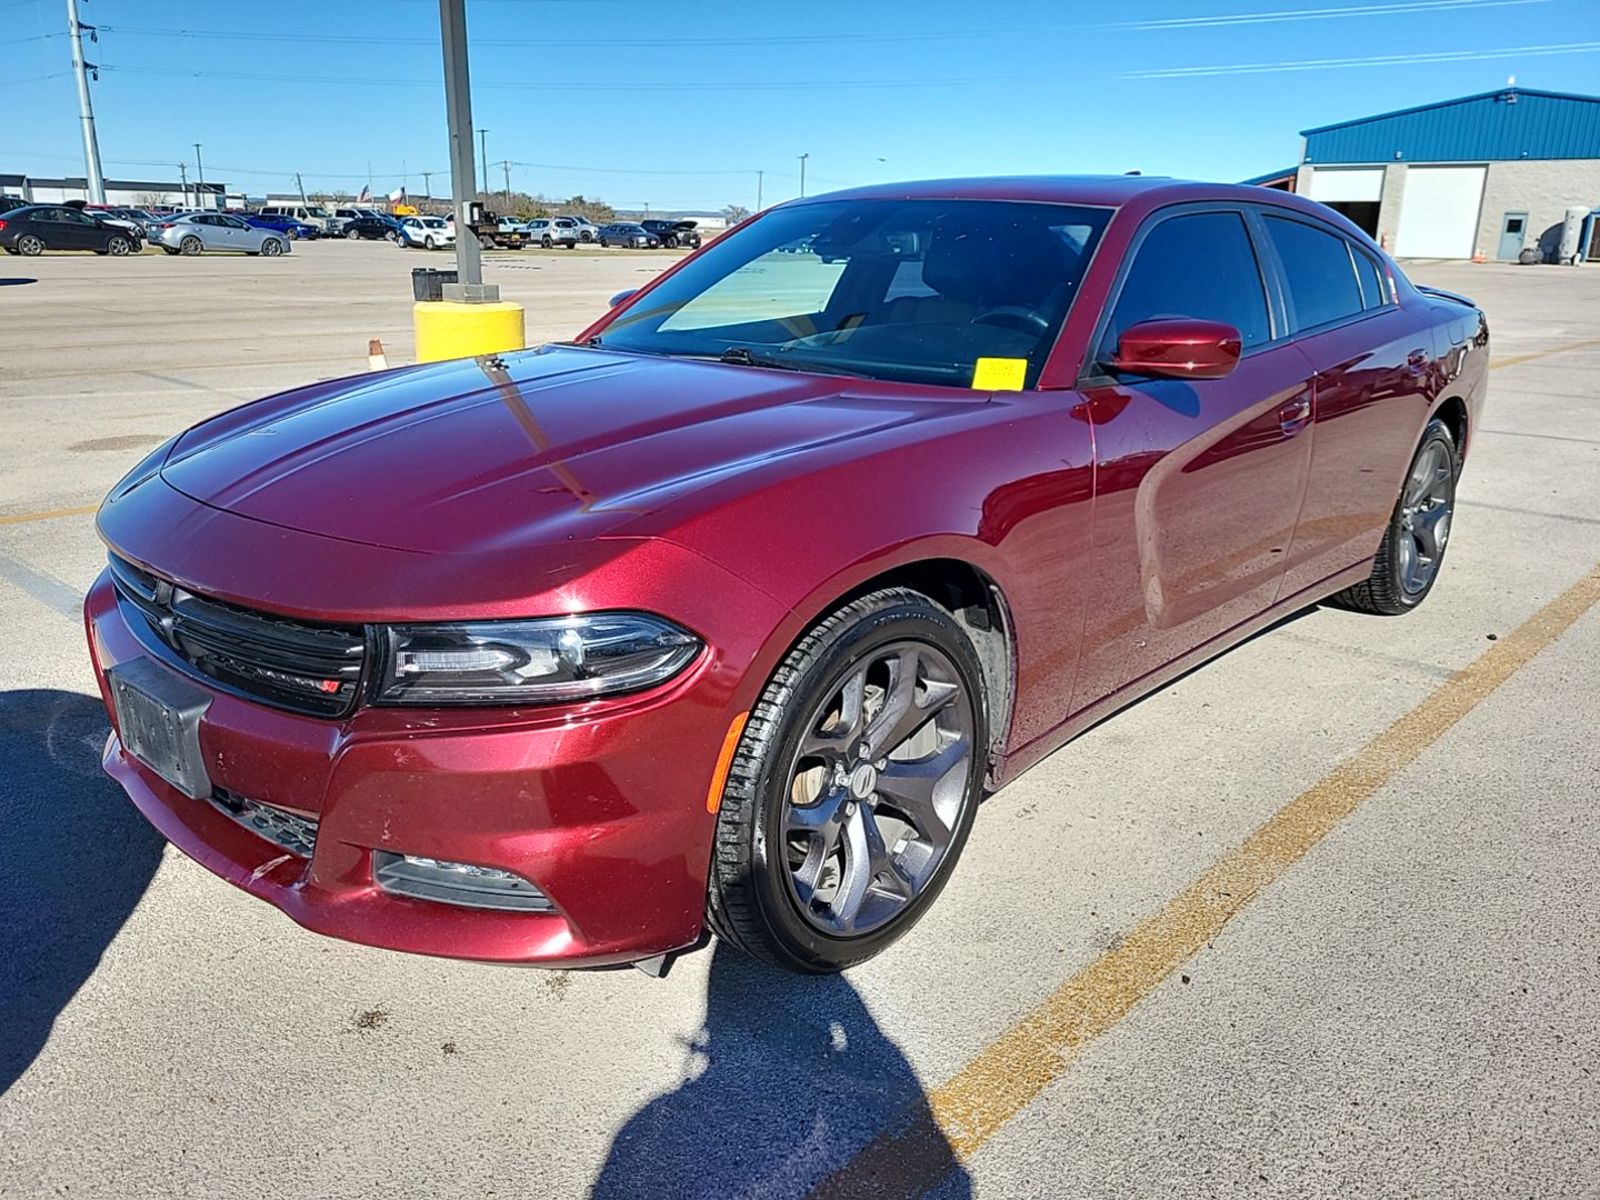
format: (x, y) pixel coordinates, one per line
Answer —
(1002, 1080)
(48, 514)
(1529, 357)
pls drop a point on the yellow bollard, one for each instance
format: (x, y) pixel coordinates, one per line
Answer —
(451, 329)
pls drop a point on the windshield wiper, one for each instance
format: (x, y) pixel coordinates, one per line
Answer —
(741, 356)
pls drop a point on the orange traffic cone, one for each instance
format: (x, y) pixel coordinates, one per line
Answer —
(377, 360)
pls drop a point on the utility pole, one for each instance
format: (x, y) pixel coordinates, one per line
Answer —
(803, 158)
(91, 144)
(760, 179)
(200, 178)
(302, 188)
(427, 185)
(183, 172)
(506, 164)
(483, 153)
(463, 173)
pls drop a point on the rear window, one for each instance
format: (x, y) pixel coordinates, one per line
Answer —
(1317, 268)
(1201, 265)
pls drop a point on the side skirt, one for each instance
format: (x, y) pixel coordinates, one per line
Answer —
(1020, 759)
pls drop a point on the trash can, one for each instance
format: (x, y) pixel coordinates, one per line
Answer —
(428, 284)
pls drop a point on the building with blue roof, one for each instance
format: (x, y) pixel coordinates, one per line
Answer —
(1493, 174)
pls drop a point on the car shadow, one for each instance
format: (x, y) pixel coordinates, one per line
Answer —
(75, 857)
(788, 1077)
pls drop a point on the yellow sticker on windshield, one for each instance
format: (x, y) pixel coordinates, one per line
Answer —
(999, 374)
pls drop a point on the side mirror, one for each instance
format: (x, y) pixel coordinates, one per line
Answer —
(1178, 348)
(620, 297)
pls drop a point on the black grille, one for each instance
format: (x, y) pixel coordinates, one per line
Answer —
(314, 669)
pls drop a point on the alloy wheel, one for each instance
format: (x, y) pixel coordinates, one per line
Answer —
(876, 788)
(117, 246)
(30, 245)
(190, 245)
(1425, 509)
(272, 247)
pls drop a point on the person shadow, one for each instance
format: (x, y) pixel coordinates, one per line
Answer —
(789, 1077)
(75, 857)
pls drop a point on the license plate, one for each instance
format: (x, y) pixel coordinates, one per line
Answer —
(158, 715)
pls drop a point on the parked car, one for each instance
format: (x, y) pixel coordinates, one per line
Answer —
(372, 229)
(195, 233)
(588, 231)
(627, 234)
(291, 226)
(673, 234)
(309, 214)
(554, 231)
(134, 220)
(582, 703)
(430, 233)
(36, 228)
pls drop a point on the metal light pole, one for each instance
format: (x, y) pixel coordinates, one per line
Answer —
(760, 180)
(183, 173)
(803, 158)
(506, 165)
(458, 113)
(483, 153)
(427, 185)
(91, 144)
(200, 178)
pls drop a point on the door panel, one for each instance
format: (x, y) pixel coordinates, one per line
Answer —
(1374, 384)
(1198, 488)
(1513, 233)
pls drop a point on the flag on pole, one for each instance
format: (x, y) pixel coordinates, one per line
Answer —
(398, 195)
(365, 197)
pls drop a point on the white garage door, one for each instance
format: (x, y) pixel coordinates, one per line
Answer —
(1332, 185)
(1439, 212)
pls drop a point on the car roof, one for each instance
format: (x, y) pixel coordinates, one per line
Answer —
(1143, 192)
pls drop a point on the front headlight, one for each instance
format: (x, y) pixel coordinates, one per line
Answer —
(531, 662)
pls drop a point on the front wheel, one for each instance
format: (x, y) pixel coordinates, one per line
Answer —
(1413, 546)
(272, 247)
(853, 787)
(353, 234)
(428, 244)
(119, 247)
(605, 244)
(545, 241)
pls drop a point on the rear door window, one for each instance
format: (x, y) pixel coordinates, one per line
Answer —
(1317, 268)
(1374, 289)
(1199, 265)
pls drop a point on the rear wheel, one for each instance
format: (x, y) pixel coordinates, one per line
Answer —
(1413, 545)
(30, 244)
(853, 788)
(190, 245)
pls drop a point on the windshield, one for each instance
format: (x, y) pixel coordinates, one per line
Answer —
(910, 290)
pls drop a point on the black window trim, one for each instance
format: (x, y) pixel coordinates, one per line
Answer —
(1270, 249)
(1093, 373)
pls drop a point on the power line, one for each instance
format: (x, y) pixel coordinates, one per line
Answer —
(1274, 16)
(1378, 60)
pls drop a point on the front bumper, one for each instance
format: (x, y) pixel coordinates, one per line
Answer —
(602, 808)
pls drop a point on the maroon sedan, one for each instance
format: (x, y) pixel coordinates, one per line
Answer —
(726, 615)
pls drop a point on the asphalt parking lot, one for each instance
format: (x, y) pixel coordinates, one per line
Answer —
(1320, 919)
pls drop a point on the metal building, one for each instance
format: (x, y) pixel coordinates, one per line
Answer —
(1491, 174)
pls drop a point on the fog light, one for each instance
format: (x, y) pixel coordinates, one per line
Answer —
(456, 883)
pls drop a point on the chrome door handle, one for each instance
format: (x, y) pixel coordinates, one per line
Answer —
(1294, 415)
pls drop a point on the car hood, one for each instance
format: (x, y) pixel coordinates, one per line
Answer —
(537, 447)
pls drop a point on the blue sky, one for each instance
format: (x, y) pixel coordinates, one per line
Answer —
(680, 104)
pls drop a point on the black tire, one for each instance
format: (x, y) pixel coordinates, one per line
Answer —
(272, 247)
(191, 246)
(119, 246)
(1529, 256)
(750, 900)
(1386, 592)
(30, 245)
(353, 234)
(604, 244)
(169, 250)
(546, 242)
(671, 243)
